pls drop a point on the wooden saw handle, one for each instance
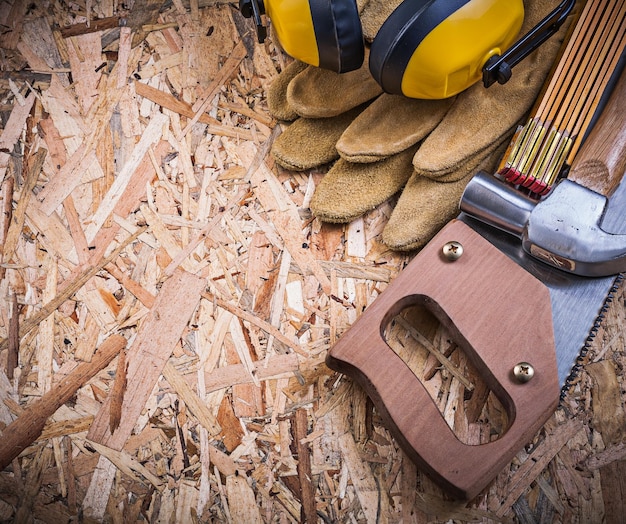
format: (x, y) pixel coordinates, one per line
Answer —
(600, 163)
(502, 316)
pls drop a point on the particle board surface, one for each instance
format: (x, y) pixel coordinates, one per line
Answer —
(134, 164)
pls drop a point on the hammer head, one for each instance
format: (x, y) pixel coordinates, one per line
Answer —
(563, 229)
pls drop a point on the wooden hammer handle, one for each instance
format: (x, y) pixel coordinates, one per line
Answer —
(600, 163)
(27, 427)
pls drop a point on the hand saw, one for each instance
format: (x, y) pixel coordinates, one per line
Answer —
(523, 312)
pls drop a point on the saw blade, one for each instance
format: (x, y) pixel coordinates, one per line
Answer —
(578, 303)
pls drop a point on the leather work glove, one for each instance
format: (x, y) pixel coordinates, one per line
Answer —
(306, 95)
(429, 149)
(321, 103)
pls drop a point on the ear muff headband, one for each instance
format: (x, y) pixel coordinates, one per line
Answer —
(437, 48)
(323, 33)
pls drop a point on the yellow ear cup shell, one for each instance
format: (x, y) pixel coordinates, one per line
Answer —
(292, 24)
(436, 49)
(451, 57)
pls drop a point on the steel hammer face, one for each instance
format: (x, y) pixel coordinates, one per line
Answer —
(563, 229)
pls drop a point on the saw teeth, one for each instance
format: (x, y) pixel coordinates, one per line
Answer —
(580, 360)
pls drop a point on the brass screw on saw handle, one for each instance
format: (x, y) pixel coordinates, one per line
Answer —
(452, 250)
(524, 372)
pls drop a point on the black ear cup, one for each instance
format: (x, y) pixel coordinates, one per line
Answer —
(322, 33)
(401, 34)
(338, 34)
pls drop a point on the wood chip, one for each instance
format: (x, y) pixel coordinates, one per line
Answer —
(614, 491)
(29, 425)
(608, 410)
(532, 467)
(12, 131)
(191, 399)
(148, 355)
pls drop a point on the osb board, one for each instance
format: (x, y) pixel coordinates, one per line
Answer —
(139, 199)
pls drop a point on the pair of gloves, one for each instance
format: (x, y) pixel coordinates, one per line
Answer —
(381, 144)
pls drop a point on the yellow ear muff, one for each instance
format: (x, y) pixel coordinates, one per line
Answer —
(322, 33)
(436, 48)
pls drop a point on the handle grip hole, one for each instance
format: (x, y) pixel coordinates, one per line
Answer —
(470, 408)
